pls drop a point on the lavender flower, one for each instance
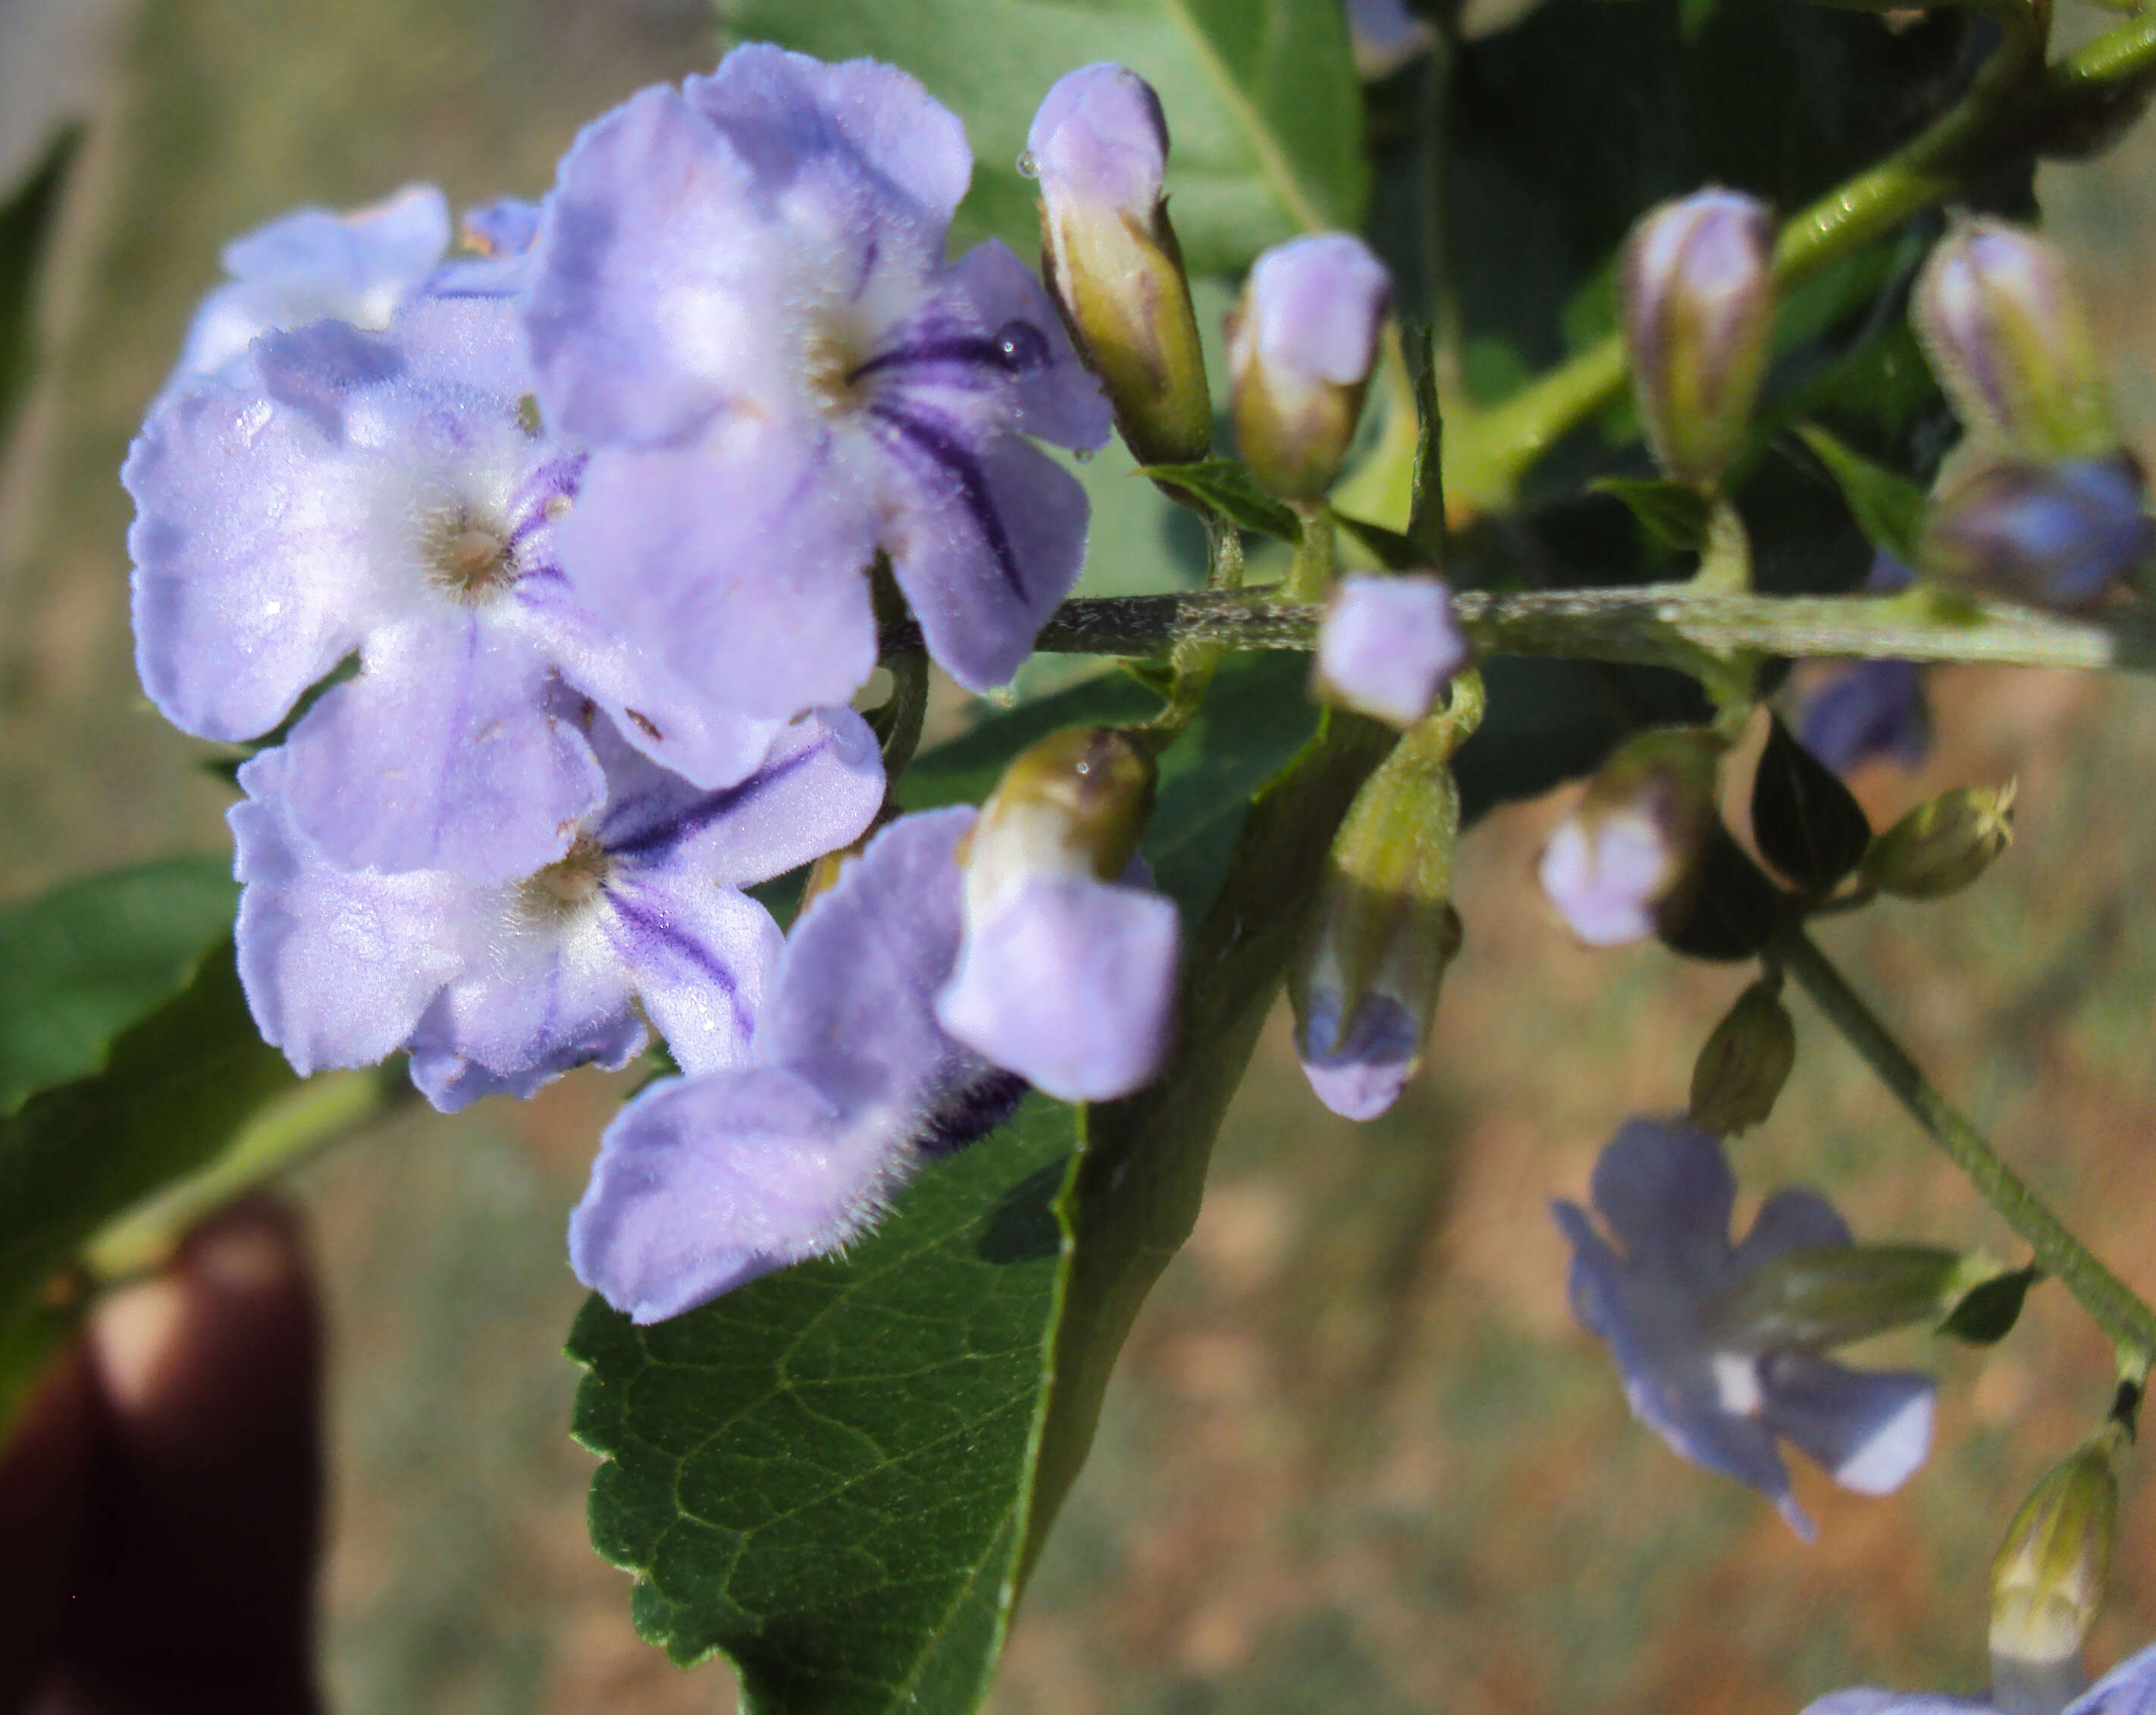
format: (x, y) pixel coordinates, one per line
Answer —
(500, 987)
(1630, 851)
(703, 1183)
(339, 492)
(313, 263)
(2060, 535)
(497, 263)
(1866, 710)
(1389, 644)
(1301, 346)
(2129, 1689)
(739, 301)
(1665, 1193)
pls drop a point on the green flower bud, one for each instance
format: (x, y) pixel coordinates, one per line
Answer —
(1384, 931)
(1834, 1294)
(2048, 1578)
(1074, 805)
(1301, 346)
(2007, 337)
(1942, 846)
(1099, 147)
(1742, 1068)
(1697, 310)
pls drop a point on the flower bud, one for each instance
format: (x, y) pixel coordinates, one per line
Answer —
(1389, 644)
(2009, 341)
(1301, 347)
(1942, 846)
(1696, 294)
(1833, 1295)
(1384, 931)
(2060, 535)
(1099, 147)
(1065, 972)
(1629, 852)
(1742, 1068)
(2048, 1578)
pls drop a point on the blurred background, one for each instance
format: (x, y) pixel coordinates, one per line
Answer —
(1357, 1456)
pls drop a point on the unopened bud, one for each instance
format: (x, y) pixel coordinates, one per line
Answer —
(2061, 535)
(1629, 852)
(1742, 1068)
(2007, 337)
(1387, 644)
(1832, 1295)
(1366, 988)
(1301, 347)
(1696, 292)
(1941, 847)
(2048, 1578)
(1099, 147)
(1075, 804)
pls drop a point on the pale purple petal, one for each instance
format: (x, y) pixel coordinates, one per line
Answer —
(504, 227)
(1362, 1076)
(441, 755)
(338, 965)
(1070, 983)
(741, 567)
(1058, 399)
(993, 538)
(1100, 136)
(1869, 1700)
(1607, 879)
(1315, 305)
(700, 955)
(1865, 710)
(1869, 1429)
(1791, 1220)
(788, 115)
(315, 263)
(1389, 644)
(644, 307)
(1666, 1190)
(2129, 1689)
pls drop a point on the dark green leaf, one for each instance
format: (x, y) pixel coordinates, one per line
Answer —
(1987, 1312)
(1672, 513)
(1227, 488)
(1809, 825)
(177, 1087)
(1393, 551)
(84, 962)
(27, 217)
(1261, 97)
(1887, 508)
(1730, 913)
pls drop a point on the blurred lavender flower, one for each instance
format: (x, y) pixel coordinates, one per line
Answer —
(498, 988)
(2129, 1689)
(1664, 1191)
(1388, 645)
(2059, 535)
(1385, 36)
(1867, 710)
(1631, 848)
(338, 492)
(703, 1183)
(1301, 345)
(313, 263)
(740, 302)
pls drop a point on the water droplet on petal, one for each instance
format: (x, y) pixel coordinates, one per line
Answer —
(1027, 167)
(1084, 456)
(1022, 347)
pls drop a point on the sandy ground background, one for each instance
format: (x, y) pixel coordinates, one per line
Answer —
(1358, 1457)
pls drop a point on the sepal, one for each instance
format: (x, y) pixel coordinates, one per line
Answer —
(1942, 847)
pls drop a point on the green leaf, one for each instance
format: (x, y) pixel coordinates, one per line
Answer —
(1673, 513)
(27, 216)
(1226, 487)
(1261, 97)
(90, 958)
(177, 1087)
(1391, 549)
(1988, 1310)
(838, 1474)
(1809, 825)
(1732, 911)
(1889, 509)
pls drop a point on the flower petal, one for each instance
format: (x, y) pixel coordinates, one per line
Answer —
(1058, 399)
(1791, 1220)
(1666, 1190)
(1364, 1074)
(993, 539)
(1870, 1430)
(2129, 1689)
(702, 955)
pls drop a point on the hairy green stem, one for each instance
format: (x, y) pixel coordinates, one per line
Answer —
(2005, 108)
(1665, 626)
(2129, 1322)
